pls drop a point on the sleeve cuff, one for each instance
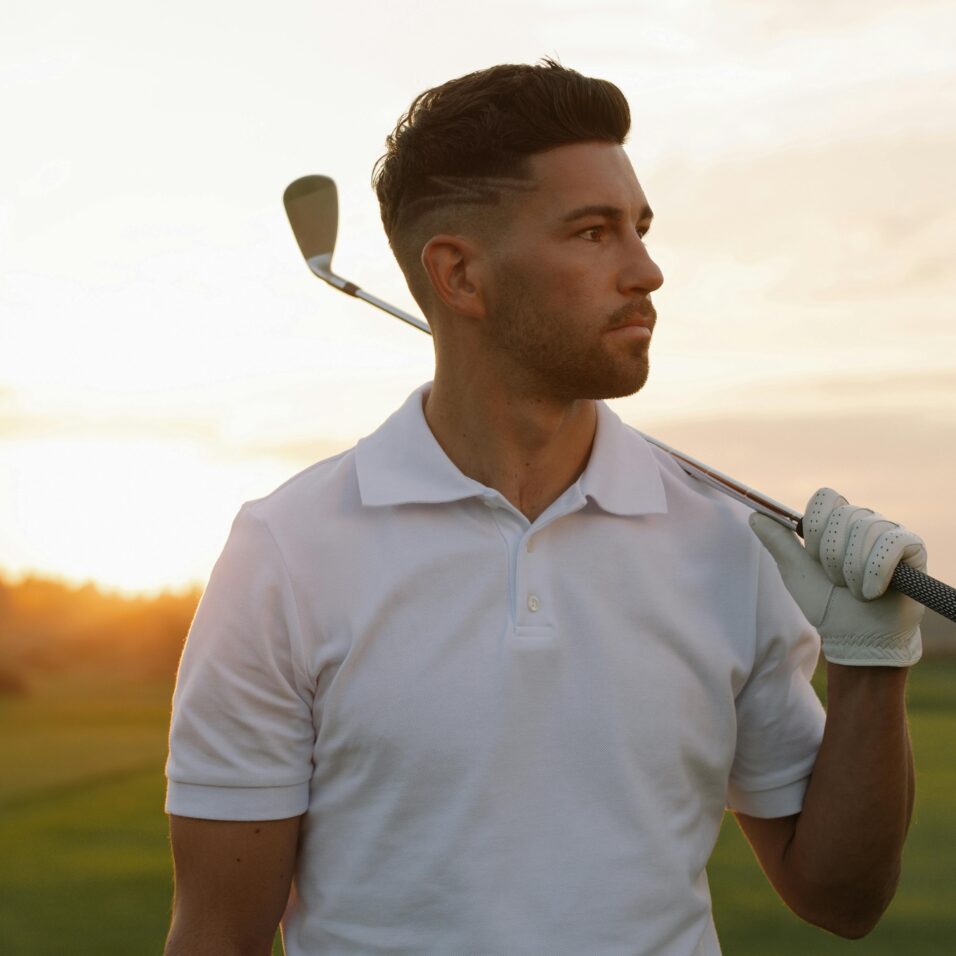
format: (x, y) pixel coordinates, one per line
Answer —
(776, 802)
(236, 803)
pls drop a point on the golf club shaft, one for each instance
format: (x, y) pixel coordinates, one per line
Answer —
(916, 584)
(350, 288)
(398, 313)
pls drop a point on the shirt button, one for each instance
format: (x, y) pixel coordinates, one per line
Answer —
(533, 602)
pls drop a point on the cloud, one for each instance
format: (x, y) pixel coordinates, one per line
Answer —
(210, 435)
(297, 452)
(813, 17)
(833, 255)
(925, 396)
(18, 424)
(861, 217)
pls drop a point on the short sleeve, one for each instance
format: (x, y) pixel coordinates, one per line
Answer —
(779, 716)
(242, 733)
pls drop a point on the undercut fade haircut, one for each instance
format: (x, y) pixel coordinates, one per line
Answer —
(462, 148)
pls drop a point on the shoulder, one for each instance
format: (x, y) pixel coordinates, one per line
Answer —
(321, 483)
(266, 532)
(689, 497)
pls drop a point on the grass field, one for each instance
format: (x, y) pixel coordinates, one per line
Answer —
(86, 860)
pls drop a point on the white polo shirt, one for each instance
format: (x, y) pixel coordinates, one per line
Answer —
(507, 738)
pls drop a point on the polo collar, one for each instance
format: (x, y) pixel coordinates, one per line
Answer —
(622, 475)
(402, 463)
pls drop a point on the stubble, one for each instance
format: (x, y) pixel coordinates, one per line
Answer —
(560, 355)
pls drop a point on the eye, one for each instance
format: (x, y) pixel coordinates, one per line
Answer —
(592, 233)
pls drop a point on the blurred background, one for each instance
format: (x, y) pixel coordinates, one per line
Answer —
(165, 354)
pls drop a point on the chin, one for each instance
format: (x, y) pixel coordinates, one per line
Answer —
(620, 386)
(594, 376)
(605, 388)
(621, 392)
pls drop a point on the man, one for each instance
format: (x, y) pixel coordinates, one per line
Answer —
(487, 682)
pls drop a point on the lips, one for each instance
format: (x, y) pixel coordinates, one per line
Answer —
(637, 315)
(633, 330)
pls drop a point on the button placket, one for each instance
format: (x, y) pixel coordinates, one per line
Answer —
(531, 606)
(511, 527)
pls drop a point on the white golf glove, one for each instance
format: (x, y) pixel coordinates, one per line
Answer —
(840, 580)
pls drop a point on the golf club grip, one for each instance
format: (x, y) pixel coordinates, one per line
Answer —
(930, 592)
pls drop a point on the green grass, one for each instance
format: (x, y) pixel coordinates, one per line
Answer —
(87, 868)
(86, 856)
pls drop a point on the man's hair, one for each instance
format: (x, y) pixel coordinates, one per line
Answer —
(463, 147)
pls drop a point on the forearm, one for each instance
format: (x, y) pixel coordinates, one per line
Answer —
(848, 840)
(203, 939)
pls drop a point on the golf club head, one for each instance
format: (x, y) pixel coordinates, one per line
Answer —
(312, 205)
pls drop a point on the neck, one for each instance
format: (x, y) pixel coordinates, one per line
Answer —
(529, 448)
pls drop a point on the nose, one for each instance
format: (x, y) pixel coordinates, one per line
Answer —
(639, 272)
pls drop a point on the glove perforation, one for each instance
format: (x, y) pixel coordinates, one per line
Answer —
(841, 580)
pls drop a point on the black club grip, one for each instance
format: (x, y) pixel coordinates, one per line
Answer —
(931, 593)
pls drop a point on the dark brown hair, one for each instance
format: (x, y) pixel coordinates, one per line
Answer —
(466, 142)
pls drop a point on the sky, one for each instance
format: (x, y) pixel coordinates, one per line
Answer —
(165, 355)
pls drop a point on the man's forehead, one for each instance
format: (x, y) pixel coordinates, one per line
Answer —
(583, 175)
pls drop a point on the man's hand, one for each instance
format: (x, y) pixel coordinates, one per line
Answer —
(840, 580)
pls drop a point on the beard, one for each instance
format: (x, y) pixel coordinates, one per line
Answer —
(557, 355)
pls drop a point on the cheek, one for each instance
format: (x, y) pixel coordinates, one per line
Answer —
(563, 278)
(546, 284)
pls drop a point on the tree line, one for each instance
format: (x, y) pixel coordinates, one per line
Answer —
(47, 625)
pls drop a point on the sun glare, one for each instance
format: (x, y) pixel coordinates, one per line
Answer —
(131, 516)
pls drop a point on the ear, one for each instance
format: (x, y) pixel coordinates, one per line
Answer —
(453, 268)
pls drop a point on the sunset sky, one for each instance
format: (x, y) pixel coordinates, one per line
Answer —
(165, 355)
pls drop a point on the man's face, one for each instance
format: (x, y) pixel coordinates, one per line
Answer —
(569, 309)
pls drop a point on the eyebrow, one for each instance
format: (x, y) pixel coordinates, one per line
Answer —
(608, 212)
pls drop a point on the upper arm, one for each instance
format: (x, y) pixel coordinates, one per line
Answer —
(232, 883)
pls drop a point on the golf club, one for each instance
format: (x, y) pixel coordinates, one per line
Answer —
(312, 206)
